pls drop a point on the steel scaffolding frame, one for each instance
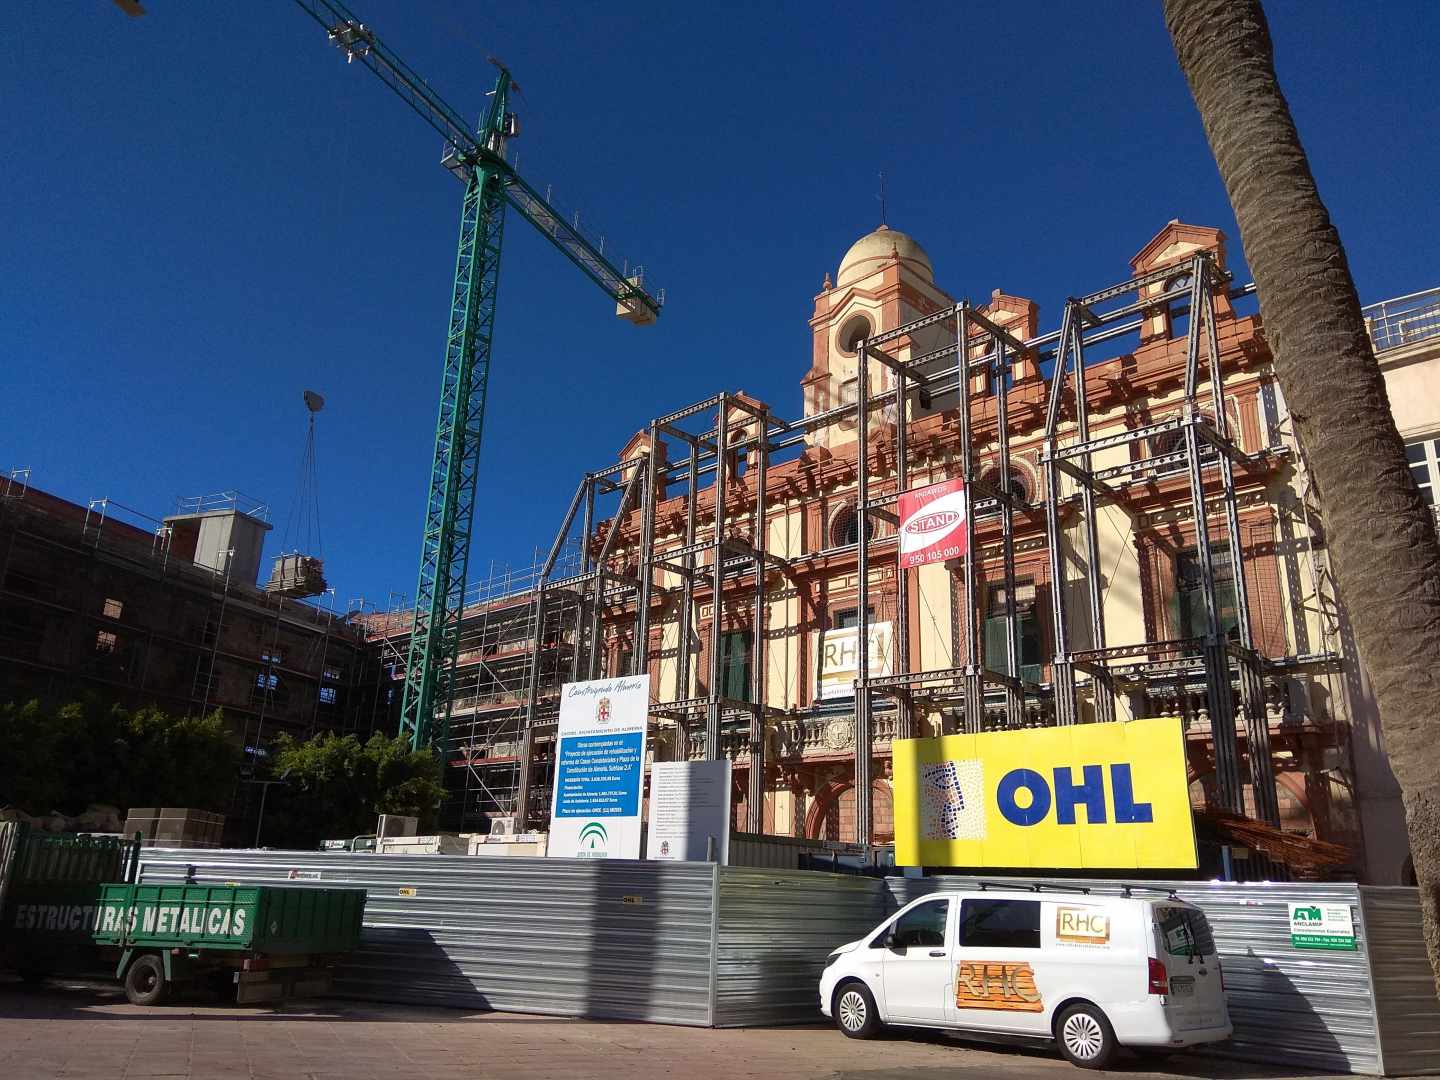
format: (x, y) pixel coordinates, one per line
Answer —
(718, 559)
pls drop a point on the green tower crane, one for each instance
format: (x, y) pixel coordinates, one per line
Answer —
(477, 158)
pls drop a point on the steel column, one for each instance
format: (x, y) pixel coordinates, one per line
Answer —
(974, 677)
(862, 673)
(1101, 686)
(717, 549)
(755, 801)
(1062, 671)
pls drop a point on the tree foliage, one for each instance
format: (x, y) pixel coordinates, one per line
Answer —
(335, 786)
(62, 759)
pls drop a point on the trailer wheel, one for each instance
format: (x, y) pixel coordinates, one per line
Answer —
(145, 981)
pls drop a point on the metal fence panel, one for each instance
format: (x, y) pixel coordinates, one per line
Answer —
(774, 930)
(603, 938)
(1289, 1006)
(1404, 985)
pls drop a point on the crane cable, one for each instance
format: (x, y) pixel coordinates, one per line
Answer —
(302, 526)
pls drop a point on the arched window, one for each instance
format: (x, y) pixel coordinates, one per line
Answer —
(1019, 484)
(852, 332)
(845, 527)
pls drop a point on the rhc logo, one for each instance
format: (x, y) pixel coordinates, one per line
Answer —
(602, 711)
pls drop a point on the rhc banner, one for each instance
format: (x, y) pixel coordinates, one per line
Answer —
(932, 523)
(600, 769)
(1086, 796)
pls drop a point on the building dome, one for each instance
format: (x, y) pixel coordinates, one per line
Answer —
(883, 245)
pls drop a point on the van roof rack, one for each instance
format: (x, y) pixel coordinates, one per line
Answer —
(1033, 886)
(1168, 890)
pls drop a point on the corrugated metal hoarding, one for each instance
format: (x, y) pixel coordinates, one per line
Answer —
(567, 937)
(1302, 1007)
(694, 943)
(1404, 985)
(774, 930)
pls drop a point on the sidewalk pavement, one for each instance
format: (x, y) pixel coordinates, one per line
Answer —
(86, 1031)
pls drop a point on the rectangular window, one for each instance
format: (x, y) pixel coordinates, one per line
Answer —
(1032, 659)
(266, 680)
(105, 642)
(850, 617)
(112, 608)
(272, 657)
(735, 652)
(327, 695)
(331, 674)
(1424, 459)
(1000, 924)
(1189, 598)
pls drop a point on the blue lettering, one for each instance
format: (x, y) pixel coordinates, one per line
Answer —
(1090, 794)
(1127, 810)
(1033, 782)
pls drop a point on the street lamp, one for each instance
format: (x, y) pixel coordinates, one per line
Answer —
(264, 791)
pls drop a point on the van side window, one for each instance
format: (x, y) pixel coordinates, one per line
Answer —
(921, 926)
(1000, 924)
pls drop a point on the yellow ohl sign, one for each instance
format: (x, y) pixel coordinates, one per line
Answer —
(1084, 796)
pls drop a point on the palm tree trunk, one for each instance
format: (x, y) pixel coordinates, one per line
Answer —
(1381, 537)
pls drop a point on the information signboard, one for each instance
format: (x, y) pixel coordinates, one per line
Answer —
(689, 811)
(599, 769)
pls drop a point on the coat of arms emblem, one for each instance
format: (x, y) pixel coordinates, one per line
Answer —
(602, 711)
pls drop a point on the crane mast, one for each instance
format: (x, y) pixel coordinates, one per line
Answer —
(477, 158)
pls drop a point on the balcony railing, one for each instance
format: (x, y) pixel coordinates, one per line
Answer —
(1403, 320)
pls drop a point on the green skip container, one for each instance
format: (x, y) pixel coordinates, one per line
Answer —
(256, 919)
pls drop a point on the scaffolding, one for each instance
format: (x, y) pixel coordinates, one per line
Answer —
(718, 454)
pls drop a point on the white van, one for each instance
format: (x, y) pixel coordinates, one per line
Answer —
(1093, 973)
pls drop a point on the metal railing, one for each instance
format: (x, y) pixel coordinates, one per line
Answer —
(223, 500)
(1403, 320)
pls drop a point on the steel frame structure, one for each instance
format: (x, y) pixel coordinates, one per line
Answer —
(727, 555)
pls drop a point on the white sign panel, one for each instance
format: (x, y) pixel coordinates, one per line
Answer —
(689, 806)
(837, 659)
(1315, 924)
(599, 769)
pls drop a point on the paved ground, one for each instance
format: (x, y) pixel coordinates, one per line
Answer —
(86, 1031)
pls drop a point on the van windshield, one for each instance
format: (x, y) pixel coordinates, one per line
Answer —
(1185, 931)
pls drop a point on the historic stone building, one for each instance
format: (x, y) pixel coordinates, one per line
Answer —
(1295, 684)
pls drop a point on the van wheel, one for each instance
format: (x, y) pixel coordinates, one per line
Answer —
(1085, 1037)
(145, 981)
(854, 1011)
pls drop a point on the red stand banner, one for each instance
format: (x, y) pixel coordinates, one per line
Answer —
(932, 523)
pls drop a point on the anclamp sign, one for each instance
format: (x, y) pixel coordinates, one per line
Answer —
(1318, 925)
(932, 523)
(600, 769)
(1085, 796)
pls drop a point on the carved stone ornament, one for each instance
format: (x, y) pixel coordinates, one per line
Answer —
(840, 734)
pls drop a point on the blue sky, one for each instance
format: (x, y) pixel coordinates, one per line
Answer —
(205, 211)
